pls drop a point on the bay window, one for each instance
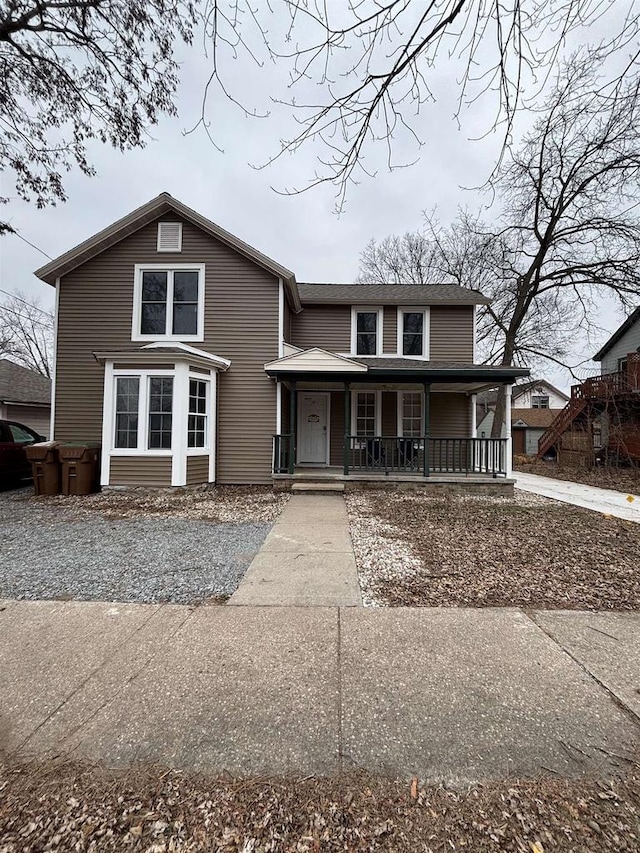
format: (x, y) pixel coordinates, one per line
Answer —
(127, 394)
(143, 412)
(168, 302)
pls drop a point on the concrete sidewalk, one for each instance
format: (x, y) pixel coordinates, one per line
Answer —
(445, 694)
(605, 501)
(307, 559)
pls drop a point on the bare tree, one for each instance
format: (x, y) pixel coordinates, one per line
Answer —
(361, 72)
(77, 71)
(568, 232)
(26, 331)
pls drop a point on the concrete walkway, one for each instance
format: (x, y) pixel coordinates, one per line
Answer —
(307, 559)
(590, 497)
(449, 695)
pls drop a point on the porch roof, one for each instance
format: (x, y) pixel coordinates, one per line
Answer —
(392, 369)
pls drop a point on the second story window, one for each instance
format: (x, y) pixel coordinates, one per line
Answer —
(413, 332)
(540, 401)
(366, 331)
(169, 303)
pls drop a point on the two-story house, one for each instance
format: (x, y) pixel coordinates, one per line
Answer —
(194, 358)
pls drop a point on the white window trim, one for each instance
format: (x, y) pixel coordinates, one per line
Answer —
(206, 450)
(378, 405)
(426, 329)
(400, 411)
(137, 301)
(374, 309)
(143, 413)
(166, 222)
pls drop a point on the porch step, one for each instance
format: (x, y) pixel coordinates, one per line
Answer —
(317, 487)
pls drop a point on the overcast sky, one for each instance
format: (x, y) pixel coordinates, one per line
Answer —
(301, 231)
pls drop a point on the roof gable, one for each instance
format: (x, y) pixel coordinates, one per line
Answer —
(631, 320)
(144, 215)
(310, 360)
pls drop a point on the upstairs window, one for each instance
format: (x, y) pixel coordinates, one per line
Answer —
(413, 332)
(366, 331)
(540, 401)
(169, 303)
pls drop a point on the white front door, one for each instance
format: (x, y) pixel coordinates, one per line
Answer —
(312, 429)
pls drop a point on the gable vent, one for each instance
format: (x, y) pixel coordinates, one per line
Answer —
(169, 236)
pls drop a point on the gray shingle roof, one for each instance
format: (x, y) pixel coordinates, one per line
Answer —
(391, 363)
(390, 294)
(20, 385)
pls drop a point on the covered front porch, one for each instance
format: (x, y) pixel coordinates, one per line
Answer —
(385, 420)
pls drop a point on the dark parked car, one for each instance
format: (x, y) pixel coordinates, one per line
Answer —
(14, 437)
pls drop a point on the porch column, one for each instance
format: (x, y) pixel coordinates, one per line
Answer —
(427, 425)
(347, 427)
(507, 430)
(293, 427)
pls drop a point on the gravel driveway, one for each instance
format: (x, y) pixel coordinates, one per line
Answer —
(51, 550)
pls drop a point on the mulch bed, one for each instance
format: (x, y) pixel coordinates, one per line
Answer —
(71, 807)
(620, 479)
(217, 504)
(526, 551)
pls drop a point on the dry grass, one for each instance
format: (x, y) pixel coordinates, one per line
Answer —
(525, 551)
(70, 807)
(621, 479)
(217, 504)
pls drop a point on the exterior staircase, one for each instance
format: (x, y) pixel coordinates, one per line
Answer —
(563, 420)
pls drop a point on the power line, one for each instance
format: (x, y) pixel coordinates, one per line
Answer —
(33, 245)
(24, 317)
(28, 304)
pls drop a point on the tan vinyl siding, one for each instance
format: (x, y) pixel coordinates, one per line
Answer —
(390, 330)
(450, 415)
(140, 471)
(451, 333)
(336, 438)
(241, 324)
(197, 470)
(287, 322)
(324, 326)
(36, 417)
(389, 413)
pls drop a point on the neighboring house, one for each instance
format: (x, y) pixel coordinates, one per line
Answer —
(534, 406)
(528, 426)
(603, 414)
(194, 358)
(25, 396)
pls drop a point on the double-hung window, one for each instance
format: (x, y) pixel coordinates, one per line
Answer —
(411, 423)
(197, 423)
(366, 331)
(540, 401)
(143, 412)
(365, 414)
(168, 303)
(413, 332)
